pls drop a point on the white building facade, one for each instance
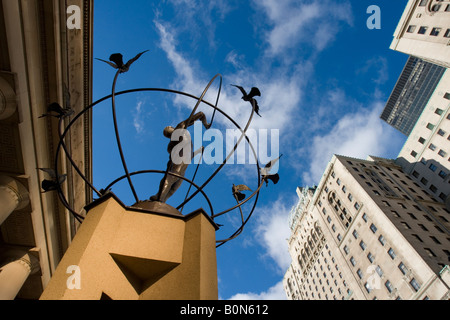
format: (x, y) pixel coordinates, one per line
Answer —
(426, 153)
(424, 31)
(368, 231)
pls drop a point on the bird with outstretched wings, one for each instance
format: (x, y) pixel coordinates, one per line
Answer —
(265, 172)
(237, 191)
(250, 97)
(116, 61)
(55, 110)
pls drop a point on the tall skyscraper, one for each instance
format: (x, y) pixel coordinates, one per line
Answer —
(368, 231)
(411, 93)
(426, 153)
(424, 31)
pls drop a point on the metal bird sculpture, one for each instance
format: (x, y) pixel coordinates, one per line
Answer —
(250, 97)
(55, 110)
(265, 172)
(56, 180)
(117, 61)
(237, 191)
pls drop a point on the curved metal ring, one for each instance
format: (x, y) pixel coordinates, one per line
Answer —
(199, 189)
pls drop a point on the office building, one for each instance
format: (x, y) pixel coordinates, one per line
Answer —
(368, 231)
(426, 154)
(424, 31)
(411, 93)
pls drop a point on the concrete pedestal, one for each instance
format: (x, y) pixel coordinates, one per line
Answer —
(124, 253)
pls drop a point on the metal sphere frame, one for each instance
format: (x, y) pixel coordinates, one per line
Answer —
(62, 131)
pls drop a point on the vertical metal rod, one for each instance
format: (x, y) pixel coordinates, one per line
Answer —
(119, 145)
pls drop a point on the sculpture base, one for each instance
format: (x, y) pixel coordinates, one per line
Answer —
(130, 253)
(156, 207)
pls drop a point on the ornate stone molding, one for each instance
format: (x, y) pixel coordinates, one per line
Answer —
(7, 100)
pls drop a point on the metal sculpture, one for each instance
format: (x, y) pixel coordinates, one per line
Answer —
(173, 176)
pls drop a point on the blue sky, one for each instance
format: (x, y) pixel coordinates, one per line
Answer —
(324, 78)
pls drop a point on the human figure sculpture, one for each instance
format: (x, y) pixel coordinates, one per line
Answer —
(178, 163)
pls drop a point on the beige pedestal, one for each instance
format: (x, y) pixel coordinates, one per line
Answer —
(124, 253)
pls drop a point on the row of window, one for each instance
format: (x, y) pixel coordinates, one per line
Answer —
(423, 30)
(322, 279)
(369, 286)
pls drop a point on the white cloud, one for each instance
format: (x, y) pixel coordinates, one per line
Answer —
(138, 122)
(272, 232)
(357, 135)
(274, 293)
(294, 22)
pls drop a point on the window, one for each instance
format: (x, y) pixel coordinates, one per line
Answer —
(442, 174)
(432, 147)
(435, 8)
(417, 237)
(422, 30)
(373, 228)
(432, 167)
(382, 240)
(414, 284)
(370, 257)
(405, 225)
(364, 216)
(344, 189)
(441, 132)
(368, 287)
(402, 268)
(413, 154)
(359, 273)
(423, 3)
(338, 181)
(357, 206)
(424, 181)
(411, 29)
(435, 31)
(439, 111)
(395, 214)
(355, 234)
(423, 161)
(442, 153)
(422, 140)
(346, 250)
(439, 229)
(447, 33)
(430, 252)
(433, 188)
(435, 239)
(353, 261)
(339, 237)
(430, 126)
(391, 253)
(350, 197)
(363, 245)
(389, 286)
(379, 271)
(412, 216)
